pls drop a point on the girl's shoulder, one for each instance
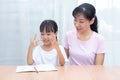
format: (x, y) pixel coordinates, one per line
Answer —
(38, 47)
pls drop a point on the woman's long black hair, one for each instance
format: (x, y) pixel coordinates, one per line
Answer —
(89, 12)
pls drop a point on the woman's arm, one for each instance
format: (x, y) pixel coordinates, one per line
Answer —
(99, 59)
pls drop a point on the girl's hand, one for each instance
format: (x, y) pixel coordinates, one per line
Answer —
(54, 41)
(55, 45)
(34, 41)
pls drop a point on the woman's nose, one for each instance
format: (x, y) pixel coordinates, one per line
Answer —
(77, 24)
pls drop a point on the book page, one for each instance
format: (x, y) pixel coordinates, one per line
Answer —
(45, 67)
(41, 67)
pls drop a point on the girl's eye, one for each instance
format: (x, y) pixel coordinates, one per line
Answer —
(48, 34)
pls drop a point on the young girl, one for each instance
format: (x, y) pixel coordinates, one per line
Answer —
(50, 52)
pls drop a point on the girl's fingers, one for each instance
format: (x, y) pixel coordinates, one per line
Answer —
(35, 37)
(54, 41)
(54, 37)
(38, 41)
(41, 39)
(30, 39)
(34, 41)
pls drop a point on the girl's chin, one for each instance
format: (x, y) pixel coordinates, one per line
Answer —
(46, 43)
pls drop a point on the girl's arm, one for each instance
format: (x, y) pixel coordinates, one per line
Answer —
(29, 56)
(99, 59)
(60, 56)
(67, 52)
(55, 44)
(33, 43)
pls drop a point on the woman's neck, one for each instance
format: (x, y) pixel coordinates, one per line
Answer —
(84, 36)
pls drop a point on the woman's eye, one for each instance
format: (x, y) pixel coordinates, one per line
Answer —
(75, 20)
(81, 22)
(42, 34)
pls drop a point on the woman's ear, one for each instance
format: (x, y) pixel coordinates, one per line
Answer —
(92, 21)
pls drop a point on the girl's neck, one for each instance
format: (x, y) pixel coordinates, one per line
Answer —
(47, 47)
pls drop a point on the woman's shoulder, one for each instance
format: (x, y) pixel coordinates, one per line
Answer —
(98, 36)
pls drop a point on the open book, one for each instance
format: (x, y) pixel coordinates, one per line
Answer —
(41, 67)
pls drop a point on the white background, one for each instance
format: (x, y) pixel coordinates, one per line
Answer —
(20, 19)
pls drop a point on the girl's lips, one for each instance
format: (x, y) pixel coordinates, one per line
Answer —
(45, 41)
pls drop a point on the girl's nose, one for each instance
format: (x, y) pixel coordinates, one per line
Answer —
(45, 36)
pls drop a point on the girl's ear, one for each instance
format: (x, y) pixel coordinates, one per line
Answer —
(56, 33)
(92, 21)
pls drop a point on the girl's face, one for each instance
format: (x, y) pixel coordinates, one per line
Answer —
(82, 24)
(47, 37)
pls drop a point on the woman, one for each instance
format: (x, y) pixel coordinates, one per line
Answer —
(85, 46)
